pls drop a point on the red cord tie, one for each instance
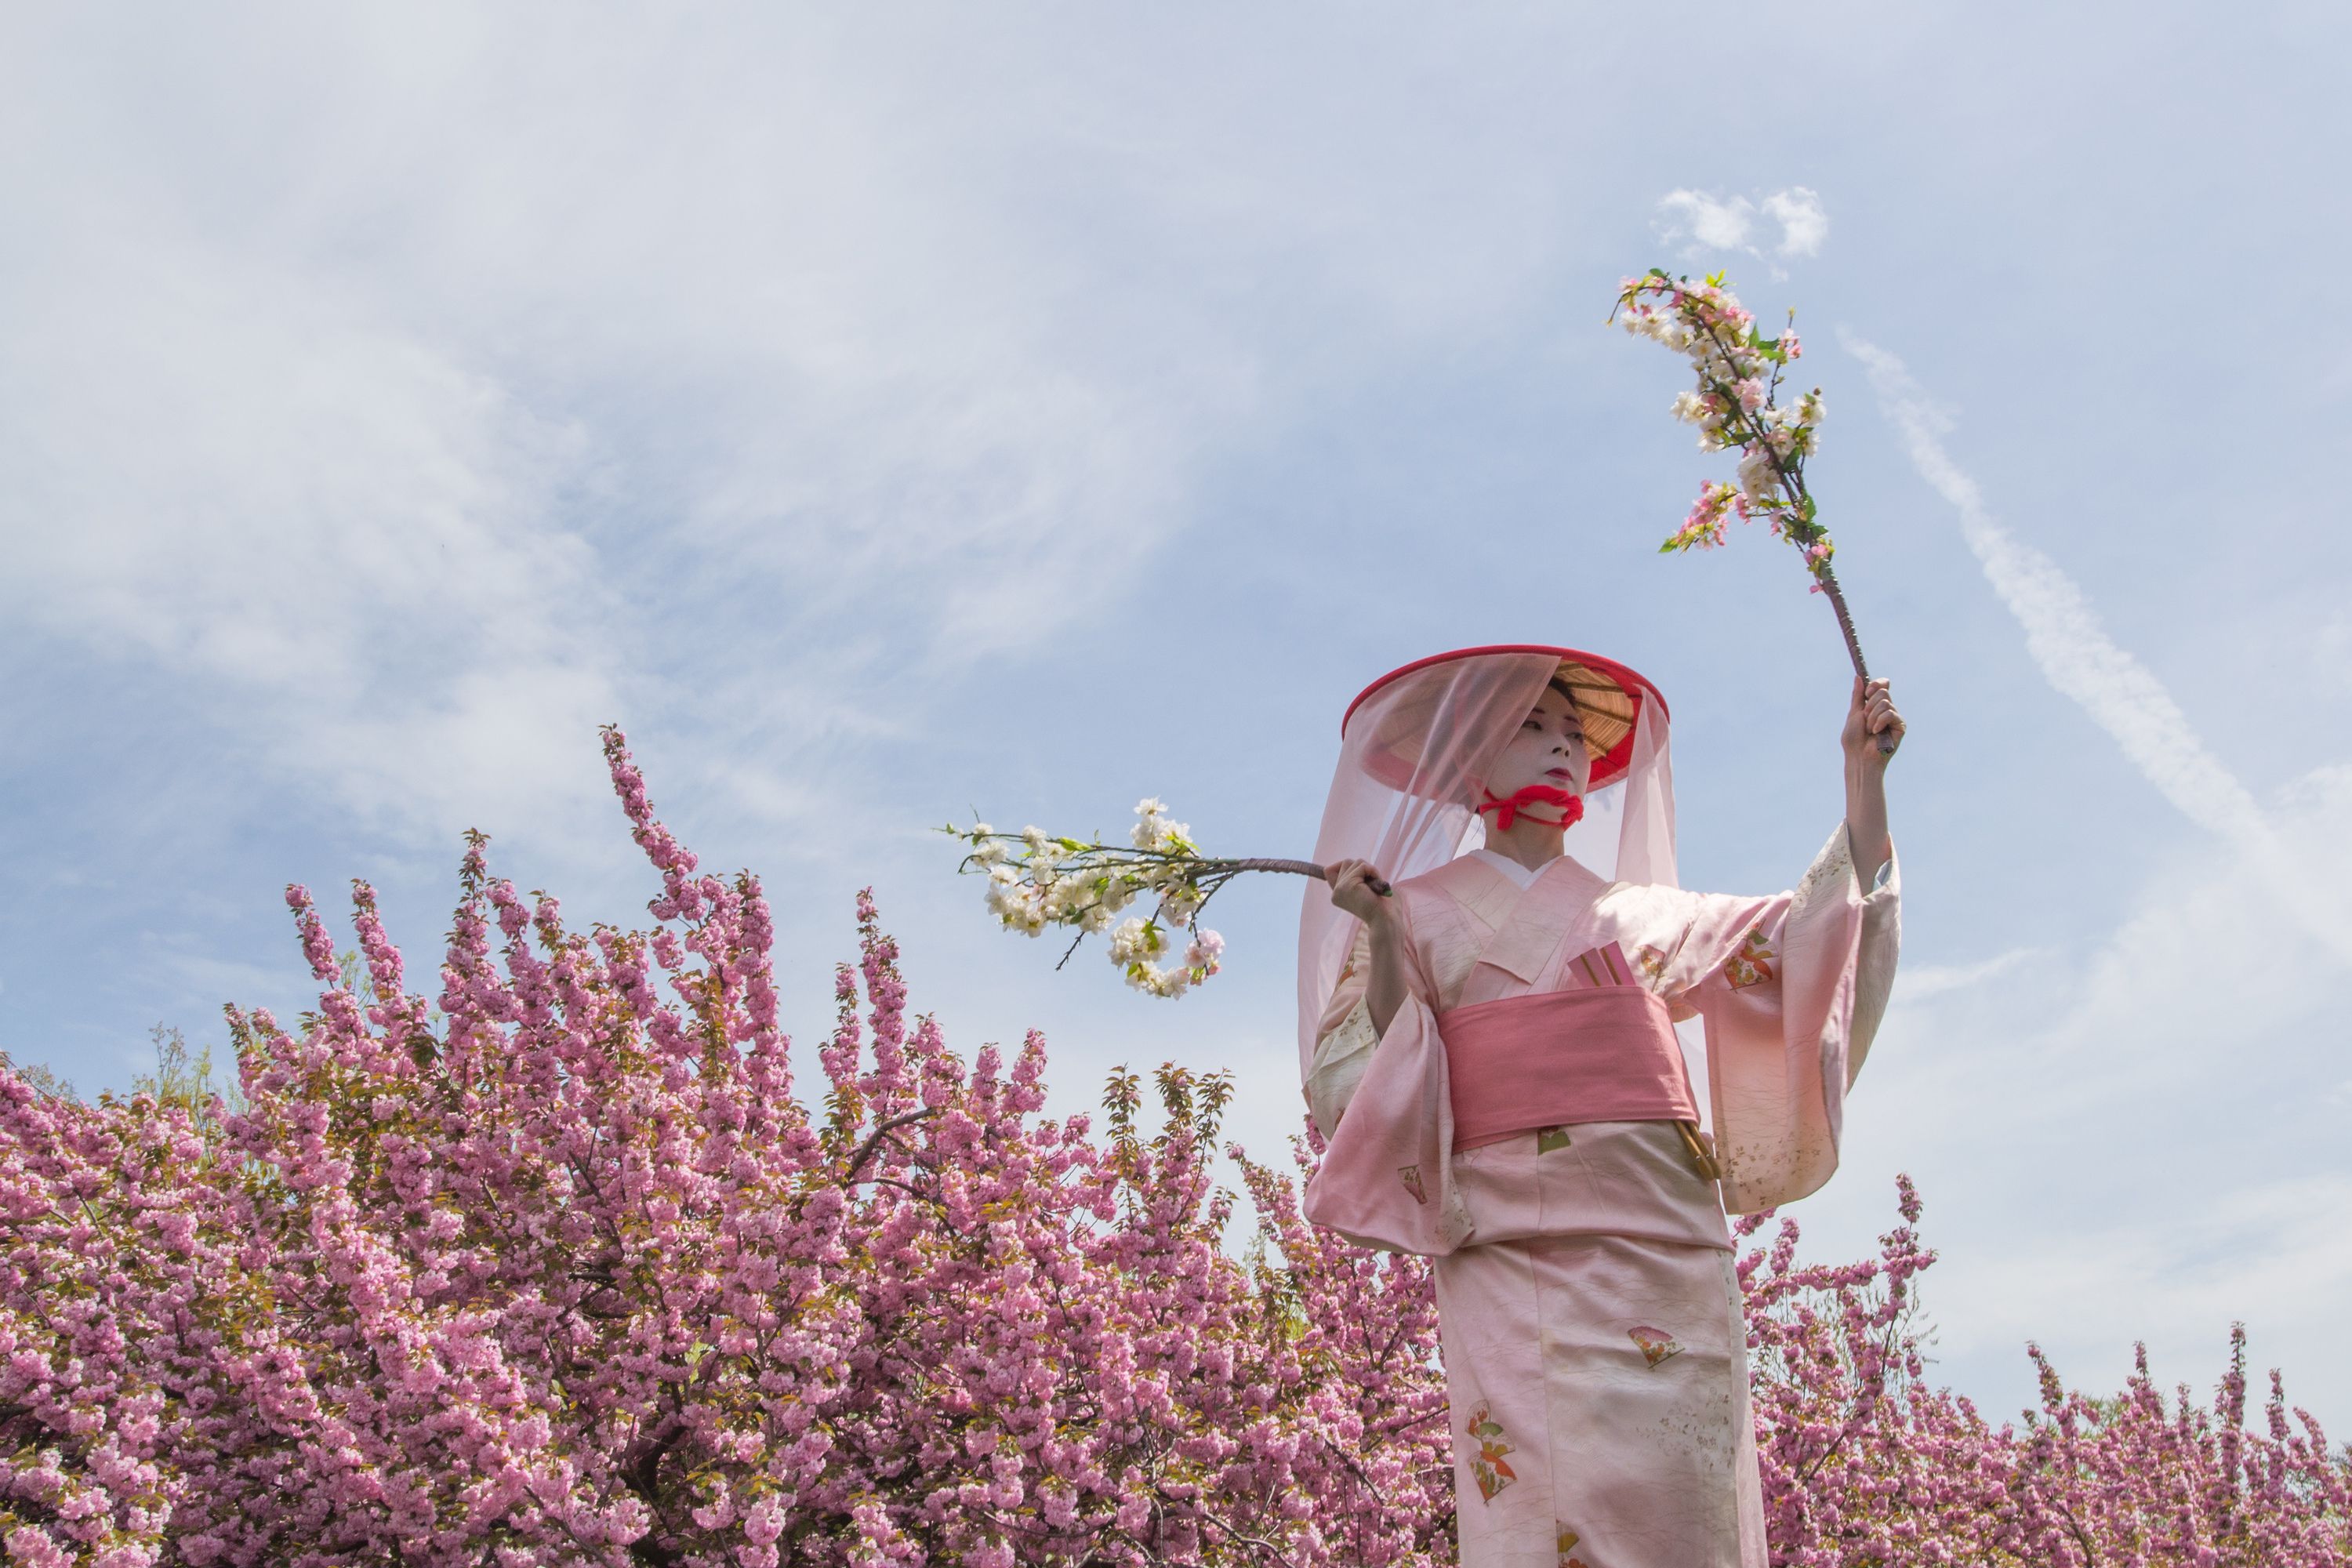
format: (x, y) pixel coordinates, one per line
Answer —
(1508, 811)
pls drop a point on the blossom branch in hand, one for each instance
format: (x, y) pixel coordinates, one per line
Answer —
(1036, 880)
(1736, 404)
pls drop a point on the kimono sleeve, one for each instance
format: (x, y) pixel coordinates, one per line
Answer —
(1344, 1041)
(1387, 1176)
(1873, 979)
(1792, 988)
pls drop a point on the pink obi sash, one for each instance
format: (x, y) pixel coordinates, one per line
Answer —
(1605, 1053)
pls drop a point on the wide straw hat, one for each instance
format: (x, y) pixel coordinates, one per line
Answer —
(1609, 699)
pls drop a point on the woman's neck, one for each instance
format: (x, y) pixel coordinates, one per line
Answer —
(1532, 844)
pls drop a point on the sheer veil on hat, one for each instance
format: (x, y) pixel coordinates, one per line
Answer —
(1413, 751)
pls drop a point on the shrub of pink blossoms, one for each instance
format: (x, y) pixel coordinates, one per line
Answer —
(558, 1266)
(1865, 1464)
(555, 1265)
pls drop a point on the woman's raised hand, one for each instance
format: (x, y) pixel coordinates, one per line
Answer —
(1870, 719)
(1351, 889)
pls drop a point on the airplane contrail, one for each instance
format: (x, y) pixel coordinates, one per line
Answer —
(2076, 656)
(2061, 631)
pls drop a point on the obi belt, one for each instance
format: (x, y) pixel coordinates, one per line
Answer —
(1602, 1051)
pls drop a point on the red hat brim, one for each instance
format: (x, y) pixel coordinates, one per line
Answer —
(1609, 699)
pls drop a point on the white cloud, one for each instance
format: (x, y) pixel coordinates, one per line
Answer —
(382, 506)
(1917, 982)
(1711, 223)
(249, 478)
(1803, 222)
(404, 444)
(1719, 225)
(2248, 1254)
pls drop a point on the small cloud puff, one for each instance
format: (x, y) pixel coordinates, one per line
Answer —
(1710, 223)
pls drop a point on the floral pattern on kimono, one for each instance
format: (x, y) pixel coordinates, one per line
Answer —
(1752, 963)
(1493, 1472)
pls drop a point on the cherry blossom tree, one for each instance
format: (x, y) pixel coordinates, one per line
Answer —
(562, 1269)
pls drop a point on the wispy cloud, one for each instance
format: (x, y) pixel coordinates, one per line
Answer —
(1714, 223)
(1918, 982)
(2250, 1252)
(411, 517)
(252, 479)
(399, 448)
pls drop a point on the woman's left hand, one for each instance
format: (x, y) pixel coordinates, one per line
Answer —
(1870, 715)
(1870, 719)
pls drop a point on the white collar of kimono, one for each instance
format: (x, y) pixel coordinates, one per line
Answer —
(1523, 874)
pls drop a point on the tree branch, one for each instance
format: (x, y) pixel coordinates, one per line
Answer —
(874, 1140)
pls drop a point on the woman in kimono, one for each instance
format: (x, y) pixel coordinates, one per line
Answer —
(1489, 1052)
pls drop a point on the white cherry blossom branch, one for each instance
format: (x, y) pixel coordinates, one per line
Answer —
(1038, 880)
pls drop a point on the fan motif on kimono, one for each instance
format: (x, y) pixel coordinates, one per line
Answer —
(1493, 1474)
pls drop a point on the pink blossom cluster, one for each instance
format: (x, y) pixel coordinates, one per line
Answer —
(1735, 404)
(560, 1269)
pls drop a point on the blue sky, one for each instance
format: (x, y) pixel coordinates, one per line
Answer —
(889, 414)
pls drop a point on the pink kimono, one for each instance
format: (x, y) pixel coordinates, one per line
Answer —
(1595, 1355)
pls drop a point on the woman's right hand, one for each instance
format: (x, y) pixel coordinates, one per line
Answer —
(1351, 889)
(1352, 884)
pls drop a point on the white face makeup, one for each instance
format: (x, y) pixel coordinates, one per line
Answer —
(1548, 750)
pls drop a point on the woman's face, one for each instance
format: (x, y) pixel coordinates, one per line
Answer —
(1548, 750)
